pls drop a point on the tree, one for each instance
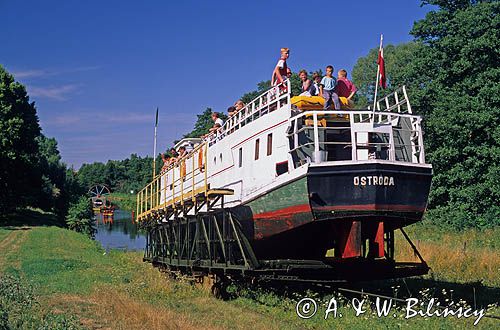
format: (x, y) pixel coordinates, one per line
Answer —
(52, 197)
(203, 123)
(462, 97)
(452, 72)
(20, 179)
(396, 57)
(261, 88)
(119, 175)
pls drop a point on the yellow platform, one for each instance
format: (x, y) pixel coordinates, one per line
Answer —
(317, 102)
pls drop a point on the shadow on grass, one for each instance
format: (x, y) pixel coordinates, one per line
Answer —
(474, 293)
(23, 218)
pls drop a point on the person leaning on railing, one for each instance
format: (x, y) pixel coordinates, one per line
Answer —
(182, 152)
(173, 156)
(239, 105)
(231, 111)
(218, 123)
(166, 162)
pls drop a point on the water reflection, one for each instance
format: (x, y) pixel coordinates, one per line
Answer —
(121, 234)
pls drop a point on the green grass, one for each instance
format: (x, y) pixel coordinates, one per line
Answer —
(73, 275)
(65, 261)
(466, 256)
(20, 309)
(470, 238)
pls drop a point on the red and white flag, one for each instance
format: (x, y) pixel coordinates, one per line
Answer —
(380, 73)
(381, 65)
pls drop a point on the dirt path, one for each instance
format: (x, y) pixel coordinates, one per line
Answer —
(11, 243)
(121, 312)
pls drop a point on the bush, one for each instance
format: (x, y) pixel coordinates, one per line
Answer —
(79, 217)
(19, 308)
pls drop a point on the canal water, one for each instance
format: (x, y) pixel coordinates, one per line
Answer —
(120, 234)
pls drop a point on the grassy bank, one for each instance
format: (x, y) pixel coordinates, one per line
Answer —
(76, 283)
(461, 257)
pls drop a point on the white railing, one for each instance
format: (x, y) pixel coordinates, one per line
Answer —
(402, 136)
(269, 101)
(397, 101)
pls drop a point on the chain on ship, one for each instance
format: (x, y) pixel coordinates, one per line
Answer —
(288, 191)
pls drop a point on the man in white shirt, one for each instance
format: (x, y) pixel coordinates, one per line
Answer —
(218, 123)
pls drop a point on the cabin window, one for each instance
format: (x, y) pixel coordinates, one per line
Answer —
(269, 144)
(281, 168)
(257, 142)
(220, 157)
(240, 157)
(215, 160)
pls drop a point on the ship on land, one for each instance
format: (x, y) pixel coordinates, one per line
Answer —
(288, 191)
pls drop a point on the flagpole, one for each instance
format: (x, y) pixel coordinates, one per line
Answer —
(378, 74)
(154, 145)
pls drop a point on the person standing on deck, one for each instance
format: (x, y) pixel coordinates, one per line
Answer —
(345, 88)
(281, 70)
(327, 89)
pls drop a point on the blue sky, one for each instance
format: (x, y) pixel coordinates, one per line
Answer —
(97, 70)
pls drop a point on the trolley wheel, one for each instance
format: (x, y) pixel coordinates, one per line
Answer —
(219, 288)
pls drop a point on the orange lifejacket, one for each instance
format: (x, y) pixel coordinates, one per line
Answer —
(183, 169)
(200, 159)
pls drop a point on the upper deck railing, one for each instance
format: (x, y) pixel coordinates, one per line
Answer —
(318, 136)
(391, 132)
(396, 101)
(269, 101)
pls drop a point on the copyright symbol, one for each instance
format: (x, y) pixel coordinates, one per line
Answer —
(306, 308)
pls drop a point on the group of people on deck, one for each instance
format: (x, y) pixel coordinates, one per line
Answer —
(329, 87)
(172, 158)
(335, 90)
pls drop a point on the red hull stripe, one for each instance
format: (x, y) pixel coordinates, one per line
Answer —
(304, 208)
(371, 207)
(285, 212)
